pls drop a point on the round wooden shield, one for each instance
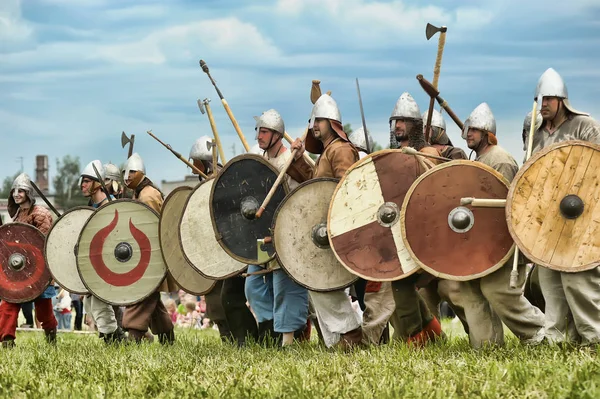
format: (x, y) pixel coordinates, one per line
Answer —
(364, 216)
(60, 248)
(182, 272)
(24, 275)
(552, 207)
(119, 258)
(237, 193)
(198, 241)
(301, 241)
(452, 241)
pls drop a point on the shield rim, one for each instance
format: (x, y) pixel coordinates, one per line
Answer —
(276, 214)
(77, 208)
(160, 240)
(511, 192)
(112, 203)
(412, 188)
(283, 183)
(28, 299)
(215, 237)
(351, 168)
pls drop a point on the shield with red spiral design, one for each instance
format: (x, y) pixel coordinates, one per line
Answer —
(119, 258)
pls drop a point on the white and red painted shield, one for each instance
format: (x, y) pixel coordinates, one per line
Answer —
(180, 269)
(301, 241)
(451, 241)
(119, 258)
(60, 248)
(364, 216)
(23, 272)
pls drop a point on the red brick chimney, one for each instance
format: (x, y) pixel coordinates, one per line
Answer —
(41, 172)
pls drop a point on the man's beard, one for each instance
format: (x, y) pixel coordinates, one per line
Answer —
(401, 136)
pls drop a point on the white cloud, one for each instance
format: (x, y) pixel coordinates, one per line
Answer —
(13, 28)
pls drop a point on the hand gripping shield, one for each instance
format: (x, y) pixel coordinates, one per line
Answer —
(301, 241)
(23, 272)
(553, 210)
(364, 216)
(118, 256)
(237, 193)
(182, 272)
(60, 248)
(451, 241)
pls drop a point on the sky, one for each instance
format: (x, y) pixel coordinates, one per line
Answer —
(74, 74)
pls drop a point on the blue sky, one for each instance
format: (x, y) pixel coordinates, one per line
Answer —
(75, 73)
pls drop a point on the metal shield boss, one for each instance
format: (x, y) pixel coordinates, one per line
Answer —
(197, 237)
(23, 272)
(237, 193)
(364, 216)
(60, 249)
(301, 240)
(451, 241)
(552, 207)
(182, 272)
(119, 258)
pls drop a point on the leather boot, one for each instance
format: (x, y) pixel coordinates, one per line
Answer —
(351, 339)
(431, 332)
(167, 338)
(51, 336)
(267, 335)
(224, 332)
(135, 336)
(115, 337)
(303, 334)
(8, 343)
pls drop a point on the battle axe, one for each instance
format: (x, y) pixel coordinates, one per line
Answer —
(435, 94)
(125, 140)
(205, 107)
(431, 30)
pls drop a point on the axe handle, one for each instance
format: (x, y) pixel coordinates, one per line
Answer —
(236, 126)
(178, 155)
(43, 197)
(130, 152)
(429, 117)
(214, 157)
(438, 59)
(483, 202)
(213, 126)
(451, 113)
(307, 158)
(282, 174)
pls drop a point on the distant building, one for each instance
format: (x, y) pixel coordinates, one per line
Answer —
(168, 186)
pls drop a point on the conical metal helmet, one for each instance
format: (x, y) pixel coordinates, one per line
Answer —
(22, 182)
(88, 171)
(357, 137)
(527, 122)
(406, 108)
(551, 84)
(437, 120)
(326, 107)
(111, 172)
(201, 150)
(481, 118)
(135, 162)
(270, 119)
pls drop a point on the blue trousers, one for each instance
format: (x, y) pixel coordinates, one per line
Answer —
(275, 296)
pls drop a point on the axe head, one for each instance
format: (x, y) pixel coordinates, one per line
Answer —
(431, 30)
(124, 140)
(201, 106)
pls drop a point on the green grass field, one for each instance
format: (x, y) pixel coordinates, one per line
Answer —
(198, 365)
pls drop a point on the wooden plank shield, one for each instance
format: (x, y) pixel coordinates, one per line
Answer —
(198, 241)
(301, 241)
(452, 241)
(553, 210)
(60, 248)
(23, 272)
(119, 258)
(182, 272)
(364, 216)
(237, 193)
